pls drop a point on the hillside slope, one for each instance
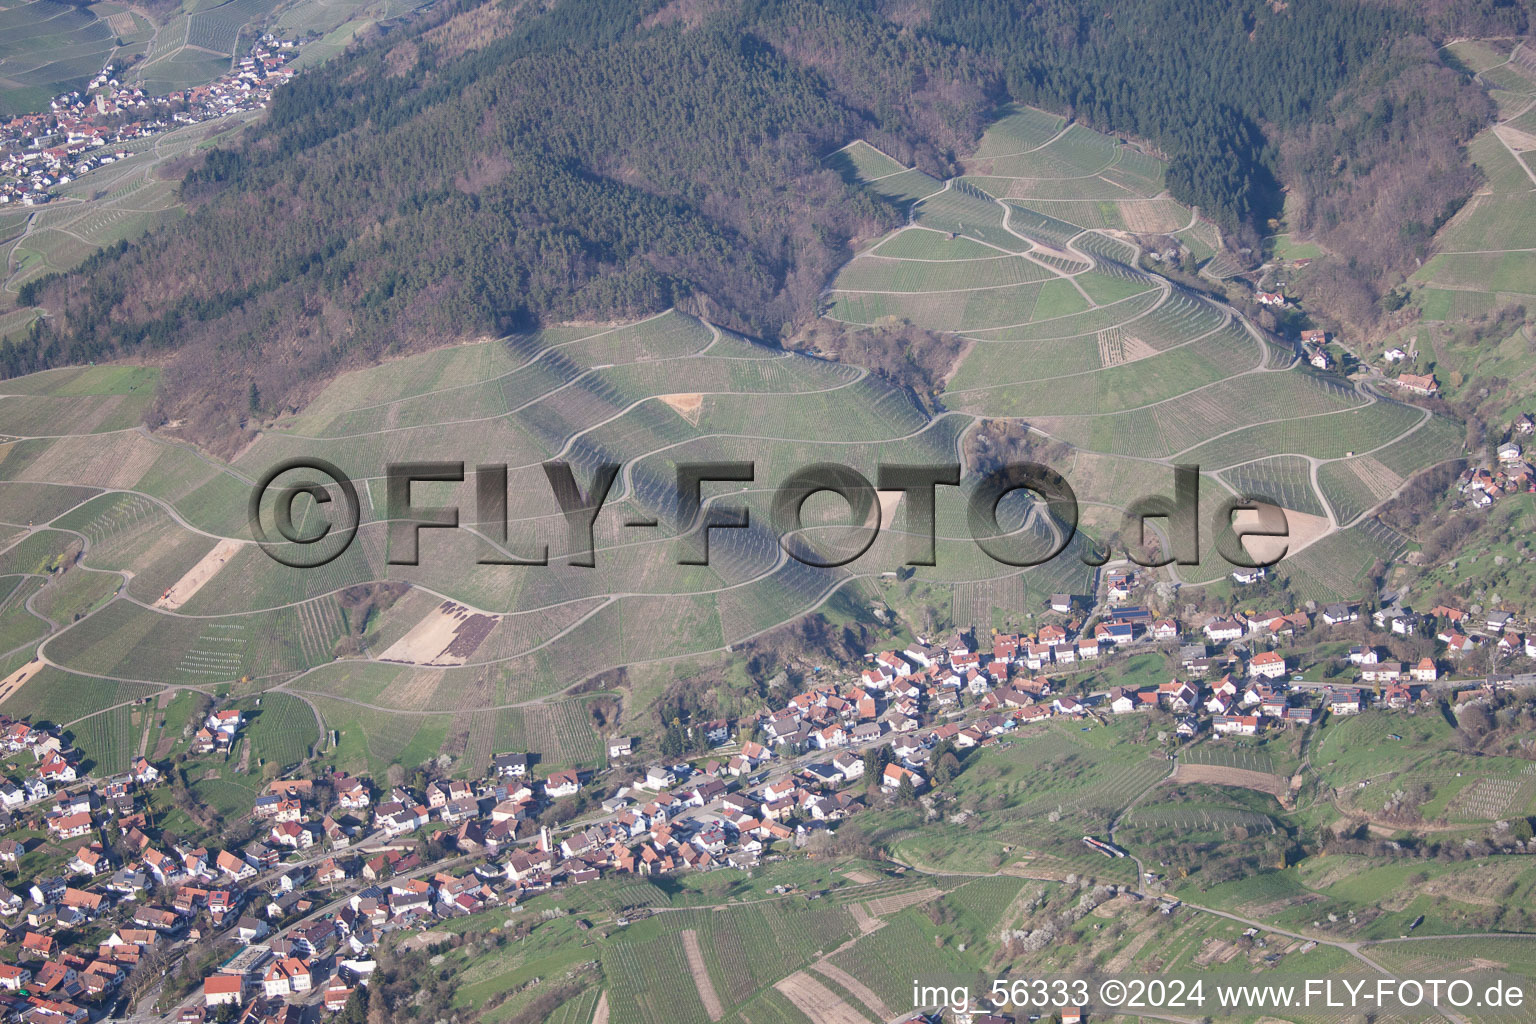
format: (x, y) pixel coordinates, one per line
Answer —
(602, 161)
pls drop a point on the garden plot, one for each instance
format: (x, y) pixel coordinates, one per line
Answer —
(109, 519)
(115, 460)
(1078, 152)
(917, 243)
(976, 603)
(1335, 567)
(1228, 756)
(108, 739)
(1353, 486)
(861, 161)
(1020, 130)
(30, 504)
(854, 987)
(968, 211)
(877, 273)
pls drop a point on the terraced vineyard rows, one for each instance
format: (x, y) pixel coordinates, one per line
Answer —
(108, 739)
(1030, 256)
(283, 731)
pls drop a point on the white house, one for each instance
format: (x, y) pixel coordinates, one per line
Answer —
(1240, 725)
(1219, 630)
(1269, 664)
(287, 976)
(222, 989)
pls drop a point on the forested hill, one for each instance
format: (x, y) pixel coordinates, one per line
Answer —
(1346, 105)
(481, 169)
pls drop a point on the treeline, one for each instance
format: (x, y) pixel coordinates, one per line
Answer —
(1378, 177)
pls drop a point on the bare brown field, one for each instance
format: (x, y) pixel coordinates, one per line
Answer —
(1136, 349)
(1215, 951)
(860, 877)
(816, 1001)
(700, 973)
(854, 987)
(448, 635)
(16, 680)
(600, 1013)
(688, 406)
(1116, 347)
(424, 939)
(198, 576)
(1304, 530)
(1220, 775)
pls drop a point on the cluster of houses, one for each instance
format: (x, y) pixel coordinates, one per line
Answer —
(321, 961)
(1262, 690)
(1232, 707)
(147, 894)
(55, 765)
(218, 732)
(1250, 695)
(51, 980)
(1462, 633)
(85, 130)
(1512, 473)
(1422, 384)
(786, 774)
